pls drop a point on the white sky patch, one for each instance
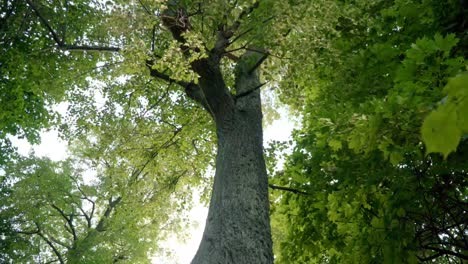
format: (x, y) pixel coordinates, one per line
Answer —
(183, 251)
(51, 146)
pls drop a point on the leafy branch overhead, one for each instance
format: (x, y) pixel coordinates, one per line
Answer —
(159, 101)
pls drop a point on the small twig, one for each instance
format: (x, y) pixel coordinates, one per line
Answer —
(145, 8)
(249, 91)
(296, 191)
(153, 33)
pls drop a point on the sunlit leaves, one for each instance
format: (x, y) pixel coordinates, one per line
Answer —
(443, 127)
(374, 85)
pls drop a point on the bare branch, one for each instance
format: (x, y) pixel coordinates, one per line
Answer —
(69, 220)
(51, 245)
(296, 191)
(250, 91)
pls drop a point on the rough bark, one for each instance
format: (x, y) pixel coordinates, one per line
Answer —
(238, 228)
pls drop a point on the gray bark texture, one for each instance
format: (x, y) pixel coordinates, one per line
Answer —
(237, 229)
(238, 224)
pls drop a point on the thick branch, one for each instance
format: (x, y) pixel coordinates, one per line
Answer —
(211, 91)
(296, 191)
(105, 216)
(258, 63)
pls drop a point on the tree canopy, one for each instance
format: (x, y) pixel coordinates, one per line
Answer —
(377, 172)
(387, 92)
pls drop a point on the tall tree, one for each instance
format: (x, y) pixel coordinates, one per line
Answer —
(211, 51)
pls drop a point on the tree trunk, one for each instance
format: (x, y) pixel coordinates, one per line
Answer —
(237, 230)
(238, 225)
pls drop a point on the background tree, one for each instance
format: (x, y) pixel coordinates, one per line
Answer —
(57, 214)
(373, 193)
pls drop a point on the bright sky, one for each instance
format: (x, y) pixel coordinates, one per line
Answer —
(183, 251)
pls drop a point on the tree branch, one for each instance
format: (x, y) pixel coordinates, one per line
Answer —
(88, 48)
(27, 232)
(288, 189)
(44, 21)
(235, 26)
(105, 216)
(441, 251)
(250, 91)
(53, 239)
(145, 8)
(51, 245)
(60, 42)
(164, 77)
(258, 63)
(84, 197)
(245, 32)
(68, 219)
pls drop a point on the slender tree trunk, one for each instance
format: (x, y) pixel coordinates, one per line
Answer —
(238, 224)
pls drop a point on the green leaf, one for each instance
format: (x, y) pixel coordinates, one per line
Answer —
(447, 43)
(335, 144)
(440, 131)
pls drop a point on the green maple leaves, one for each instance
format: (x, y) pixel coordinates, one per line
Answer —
(444, 127)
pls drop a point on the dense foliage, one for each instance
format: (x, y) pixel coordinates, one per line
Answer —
(387, 90)
(378, 171)
(117, 66)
